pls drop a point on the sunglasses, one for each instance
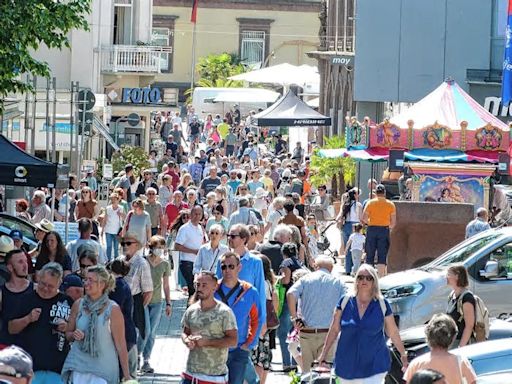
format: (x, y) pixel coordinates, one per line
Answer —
(128, 243)
(82, 266)
(226, 266)
(243, 189)
(214, 233)
(364, 277)
(232, 236)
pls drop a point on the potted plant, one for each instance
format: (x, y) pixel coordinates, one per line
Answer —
(336, 172)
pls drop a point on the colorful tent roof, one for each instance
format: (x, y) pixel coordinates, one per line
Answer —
(448, 105)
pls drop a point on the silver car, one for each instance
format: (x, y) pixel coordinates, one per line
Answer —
(416, 294)
(489, 357)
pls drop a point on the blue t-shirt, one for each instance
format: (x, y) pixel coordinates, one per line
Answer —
(362, 350)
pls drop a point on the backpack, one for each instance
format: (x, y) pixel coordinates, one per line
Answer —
(482, 322)
(297, 187)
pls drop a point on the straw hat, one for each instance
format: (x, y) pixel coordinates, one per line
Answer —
(45, 225)
(6, 244)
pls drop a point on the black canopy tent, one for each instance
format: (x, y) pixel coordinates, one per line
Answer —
(290, 111)
(21, 169)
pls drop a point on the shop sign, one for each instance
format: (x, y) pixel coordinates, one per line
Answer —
(141, 95)
(346, 60)
(493, 105)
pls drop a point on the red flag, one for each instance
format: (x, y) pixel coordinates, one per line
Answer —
(193, 16)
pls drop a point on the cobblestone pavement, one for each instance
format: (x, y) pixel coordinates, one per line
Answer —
(170, 355)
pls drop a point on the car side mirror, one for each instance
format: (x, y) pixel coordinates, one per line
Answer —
(491, 269)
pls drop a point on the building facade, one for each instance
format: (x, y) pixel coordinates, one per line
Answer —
(137, 58)
(261, 33)
(405, 49)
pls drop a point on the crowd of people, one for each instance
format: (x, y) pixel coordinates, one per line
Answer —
(232, 215)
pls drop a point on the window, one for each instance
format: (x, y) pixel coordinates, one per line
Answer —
(163, 35)
(254, 39)
(503, 256)
(160, 37)
(253, 48)
(123, 15)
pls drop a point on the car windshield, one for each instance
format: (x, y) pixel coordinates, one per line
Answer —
(13, 223)
(462, 251)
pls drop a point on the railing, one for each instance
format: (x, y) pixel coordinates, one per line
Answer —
(133, 58)
(103, 131)
(347, 44)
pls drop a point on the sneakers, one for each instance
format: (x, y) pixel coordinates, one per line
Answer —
(146, 368)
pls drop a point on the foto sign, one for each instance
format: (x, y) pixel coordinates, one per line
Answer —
(141, 95)
(346, 60)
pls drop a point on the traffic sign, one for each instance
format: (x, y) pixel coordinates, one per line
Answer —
(133, 119)
(85, 127)
(86, 100)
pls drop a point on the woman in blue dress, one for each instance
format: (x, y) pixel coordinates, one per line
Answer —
(364, 319)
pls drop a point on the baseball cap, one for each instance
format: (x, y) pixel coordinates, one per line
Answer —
(16, 234)
(380, 188)
(71, 281)
(15, 362)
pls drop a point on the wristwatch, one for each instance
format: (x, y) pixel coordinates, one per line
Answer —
(167, 304)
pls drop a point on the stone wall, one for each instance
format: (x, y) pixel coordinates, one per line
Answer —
(425, 230)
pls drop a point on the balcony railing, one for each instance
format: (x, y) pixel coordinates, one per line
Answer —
(133, 58)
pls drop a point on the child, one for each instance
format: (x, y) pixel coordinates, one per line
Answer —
(356, 245)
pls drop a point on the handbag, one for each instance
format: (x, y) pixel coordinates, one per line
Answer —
(281, 295)
(272, 318)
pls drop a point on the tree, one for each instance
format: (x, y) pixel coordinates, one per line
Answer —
(28, 24)
(338, 171)
(219, 67)
(135, 156)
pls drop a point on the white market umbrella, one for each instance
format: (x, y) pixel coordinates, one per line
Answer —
(250, 95)
(282, 74)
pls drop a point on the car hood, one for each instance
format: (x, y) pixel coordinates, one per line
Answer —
(403, 278)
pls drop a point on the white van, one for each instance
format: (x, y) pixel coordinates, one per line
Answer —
(221, 100)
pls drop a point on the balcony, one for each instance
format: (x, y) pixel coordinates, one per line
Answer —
(143, 59)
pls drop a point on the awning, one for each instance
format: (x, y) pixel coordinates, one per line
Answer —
(422, 154)
(290, 111)
(21, 169)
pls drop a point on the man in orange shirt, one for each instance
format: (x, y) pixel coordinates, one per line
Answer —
(380, 216)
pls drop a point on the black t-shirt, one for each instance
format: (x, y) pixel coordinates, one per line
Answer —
(173, 147)
(66, 263)
(47, 346)
(453, 311)
(209, 185)
(272, 250)
(194, 128)
(292, 264)
(8, 307)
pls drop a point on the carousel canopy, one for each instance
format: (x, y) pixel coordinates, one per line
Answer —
(290, 111)
(448, 105)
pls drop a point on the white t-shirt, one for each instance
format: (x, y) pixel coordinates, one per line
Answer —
(353, 215)
(191, 236)
(273, 219)
(358, 240)
(113, 222)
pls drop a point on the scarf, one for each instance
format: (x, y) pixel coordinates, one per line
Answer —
(88, 345)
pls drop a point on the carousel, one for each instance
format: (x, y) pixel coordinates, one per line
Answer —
(450, 143)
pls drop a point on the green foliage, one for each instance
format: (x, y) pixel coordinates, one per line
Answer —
(295, 377)
(214, 71)
(130, 155)
(28, 24)
(215, 67)
(324, 170)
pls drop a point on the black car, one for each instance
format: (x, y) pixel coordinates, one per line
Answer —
(415, 344)
(9, 222)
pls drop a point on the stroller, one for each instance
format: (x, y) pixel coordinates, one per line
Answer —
(323, 242)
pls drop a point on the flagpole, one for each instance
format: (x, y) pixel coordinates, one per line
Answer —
(193, 68)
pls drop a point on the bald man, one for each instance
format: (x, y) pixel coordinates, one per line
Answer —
(316, 314)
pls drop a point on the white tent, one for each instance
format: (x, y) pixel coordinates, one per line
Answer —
(282, 74)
